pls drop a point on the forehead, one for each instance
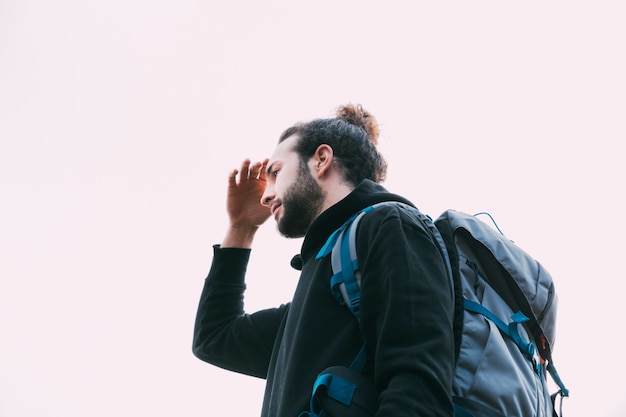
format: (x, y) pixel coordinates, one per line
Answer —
(284, 151)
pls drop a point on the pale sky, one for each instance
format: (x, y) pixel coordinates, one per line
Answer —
(120, 120)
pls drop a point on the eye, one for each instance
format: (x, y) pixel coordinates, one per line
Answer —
(274, 173)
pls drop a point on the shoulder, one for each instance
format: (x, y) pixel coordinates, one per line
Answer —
(393, 213)
(390, 226)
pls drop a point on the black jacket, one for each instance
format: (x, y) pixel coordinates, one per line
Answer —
(406, 316)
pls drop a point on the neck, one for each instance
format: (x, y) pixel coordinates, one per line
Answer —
(335, 192)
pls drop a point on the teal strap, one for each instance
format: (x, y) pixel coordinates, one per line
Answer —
(348, 272)
(336, 388)
(557, 379)
(332, 239)
(344, 283)
(509, 330)
(358, 364)
(335, 281)
(461, 412)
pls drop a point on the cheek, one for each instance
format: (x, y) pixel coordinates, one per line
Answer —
(282, 184)
(280, 187)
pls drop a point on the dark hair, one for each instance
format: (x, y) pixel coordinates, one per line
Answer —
(353, 135)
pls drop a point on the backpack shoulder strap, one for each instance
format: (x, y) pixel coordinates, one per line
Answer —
(346, 280)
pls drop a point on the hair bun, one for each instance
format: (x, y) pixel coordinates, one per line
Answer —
(356, 115)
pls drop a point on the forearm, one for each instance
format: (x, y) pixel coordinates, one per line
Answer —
(221, 301)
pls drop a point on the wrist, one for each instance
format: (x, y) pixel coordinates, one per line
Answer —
(239, 237)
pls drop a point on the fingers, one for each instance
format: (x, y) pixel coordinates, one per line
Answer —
(249, 171)
(243, 171)
(253, 171)
(263, 170)
(232, 178)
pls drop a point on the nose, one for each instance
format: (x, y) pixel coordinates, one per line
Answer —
(268, 196)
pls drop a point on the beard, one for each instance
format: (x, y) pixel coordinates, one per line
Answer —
(302, 203)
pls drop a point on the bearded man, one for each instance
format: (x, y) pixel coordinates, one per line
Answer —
(320, 174)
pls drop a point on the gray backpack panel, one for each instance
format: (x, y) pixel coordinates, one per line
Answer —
(520, 279)
(492, 371)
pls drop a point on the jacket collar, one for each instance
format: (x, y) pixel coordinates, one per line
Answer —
(365, 194)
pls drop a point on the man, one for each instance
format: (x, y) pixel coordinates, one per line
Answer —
(320, 174)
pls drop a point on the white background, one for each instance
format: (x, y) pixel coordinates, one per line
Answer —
(119, 121)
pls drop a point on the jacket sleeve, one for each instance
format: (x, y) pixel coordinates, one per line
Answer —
(406, 317)
(224, 335)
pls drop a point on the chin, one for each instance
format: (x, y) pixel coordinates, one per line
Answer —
(289, 233)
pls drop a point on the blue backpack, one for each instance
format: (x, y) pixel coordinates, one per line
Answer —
(505, 310)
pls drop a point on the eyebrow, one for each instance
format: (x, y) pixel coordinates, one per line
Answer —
(269, 168)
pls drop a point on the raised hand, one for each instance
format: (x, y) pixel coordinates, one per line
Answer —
(246, 214)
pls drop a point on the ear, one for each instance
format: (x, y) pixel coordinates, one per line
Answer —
(322, 160)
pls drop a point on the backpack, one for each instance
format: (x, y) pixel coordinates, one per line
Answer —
(505, 310)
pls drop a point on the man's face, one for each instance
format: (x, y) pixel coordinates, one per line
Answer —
(292, 194)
